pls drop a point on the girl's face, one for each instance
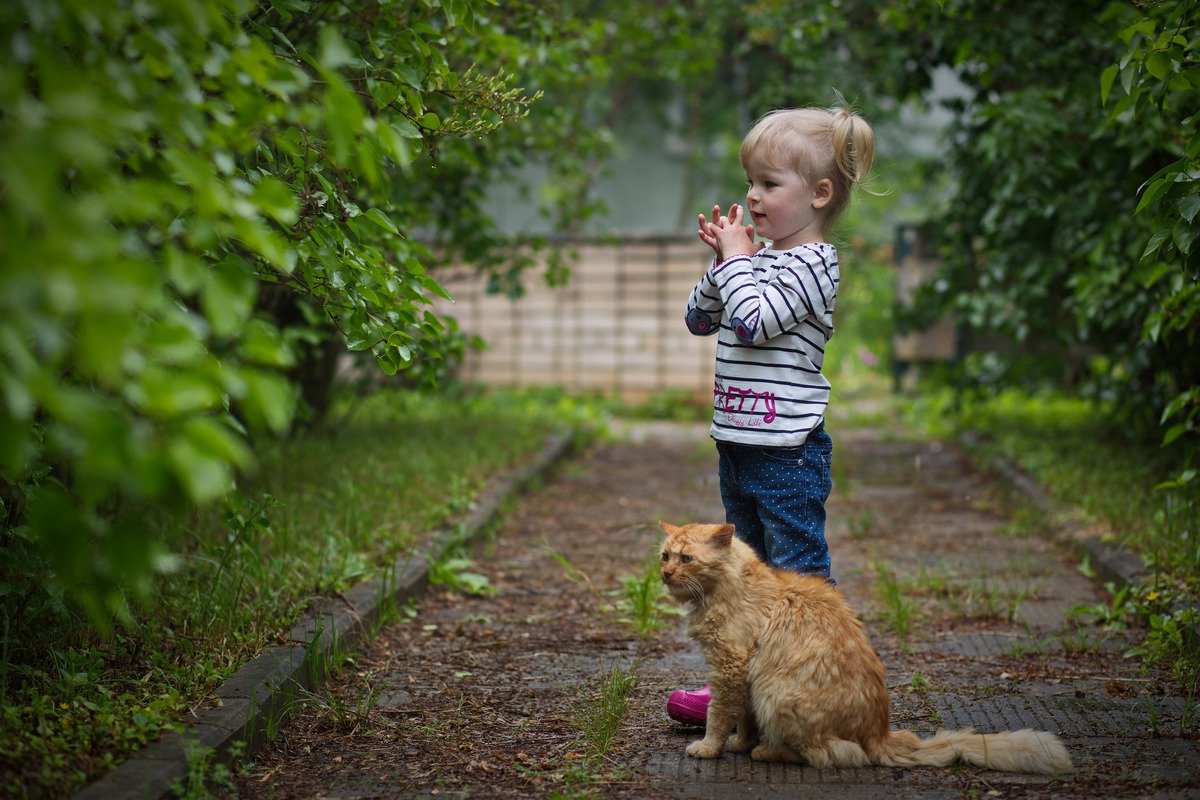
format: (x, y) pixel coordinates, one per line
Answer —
(784, 208)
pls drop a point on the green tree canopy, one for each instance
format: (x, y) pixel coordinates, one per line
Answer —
(191, 190)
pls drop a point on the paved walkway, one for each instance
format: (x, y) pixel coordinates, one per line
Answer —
(481, 697)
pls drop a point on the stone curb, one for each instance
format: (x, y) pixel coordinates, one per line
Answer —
(1111, 562)
(254, 701)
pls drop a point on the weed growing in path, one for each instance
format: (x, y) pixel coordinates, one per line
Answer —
(862, 522)
(601, 708)
(451, 568)
(899, 611)
(454, 572)
(208, 777)
(597, 713)
(333, 709)
(643, 600)
(576, 575)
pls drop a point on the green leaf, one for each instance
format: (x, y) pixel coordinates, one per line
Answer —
(211, 438)
(104, 337)
(271, 246)
(1158, 64)
(397, 146)
(227, 296)
(269, 401)
(343, 116)
(1155, 188)
(1188, 207)
(170, 394)
(1107, 78)
(1173, 433)
(1182, 236)
(264, 344)
(432, 285)
(1157, 239)
(382, 220)
(276, 200)
(202, 476)
(333, 50)
(1145, 27)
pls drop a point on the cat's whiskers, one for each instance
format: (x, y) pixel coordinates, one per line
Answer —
(694, 589)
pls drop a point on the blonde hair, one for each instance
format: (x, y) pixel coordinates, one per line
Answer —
(816, 143)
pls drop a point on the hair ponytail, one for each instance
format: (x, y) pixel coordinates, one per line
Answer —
(853, 144)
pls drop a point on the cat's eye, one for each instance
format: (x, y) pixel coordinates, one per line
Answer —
(665, 557)
(685, 559)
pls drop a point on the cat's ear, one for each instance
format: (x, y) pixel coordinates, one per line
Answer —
(722, 537)
(667, 527)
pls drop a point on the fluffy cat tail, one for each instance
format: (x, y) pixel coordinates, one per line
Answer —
(1012, 751)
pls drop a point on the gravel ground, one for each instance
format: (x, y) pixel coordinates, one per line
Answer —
(490, 696)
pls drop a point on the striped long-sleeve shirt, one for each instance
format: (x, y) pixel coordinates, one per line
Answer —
(774, 315)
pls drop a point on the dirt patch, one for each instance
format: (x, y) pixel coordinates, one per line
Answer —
(483, 696)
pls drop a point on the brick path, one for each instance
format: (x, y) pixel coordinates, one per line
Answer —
(476, 691)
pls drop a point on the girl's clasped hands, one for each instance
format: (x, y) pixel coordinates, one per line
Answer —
(728, 236)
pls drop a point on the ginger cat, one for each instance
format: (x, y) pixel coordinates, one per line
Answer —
(792, 669)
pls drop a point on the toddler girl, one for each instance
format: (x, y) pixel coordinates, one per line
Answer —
(772, 308)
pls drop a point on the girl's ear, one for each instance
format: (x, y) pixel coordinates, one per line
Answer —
(722, 536)
(822, 193)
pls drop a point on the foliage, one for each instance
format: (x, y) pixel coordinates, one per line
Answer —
(337, 504)
(1171, 638)
(207, 201)
(454, 572)
(1068, 235)
(601, 708)
(1158, 78)
(177, 178)
(898, 611)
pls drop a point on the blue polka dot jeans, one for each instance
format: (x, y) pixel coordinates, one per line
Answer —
(775, 497)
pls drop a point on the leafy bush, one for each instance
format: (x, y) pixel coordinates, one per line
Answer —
(329, 507)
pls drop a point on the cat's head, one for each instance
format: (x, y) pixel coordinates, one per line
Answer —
(693, 558)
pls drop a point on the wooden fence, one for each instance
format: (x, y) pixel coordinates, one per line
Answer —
(615, 327)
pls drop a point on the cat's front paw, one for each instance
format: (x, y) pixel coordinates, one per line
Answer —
(739, 744)
(704, 749)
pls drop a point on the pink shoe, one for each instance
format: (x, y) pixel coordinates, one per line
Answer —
(689, 707)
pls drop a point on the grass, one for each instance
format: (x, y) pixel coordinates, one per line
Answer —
(977, 597)
(600, 709)
(644, 602)
(921, 686)
(322, 512)
(641, 601)
(862, 523)
(597, 713)
(899, 612)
